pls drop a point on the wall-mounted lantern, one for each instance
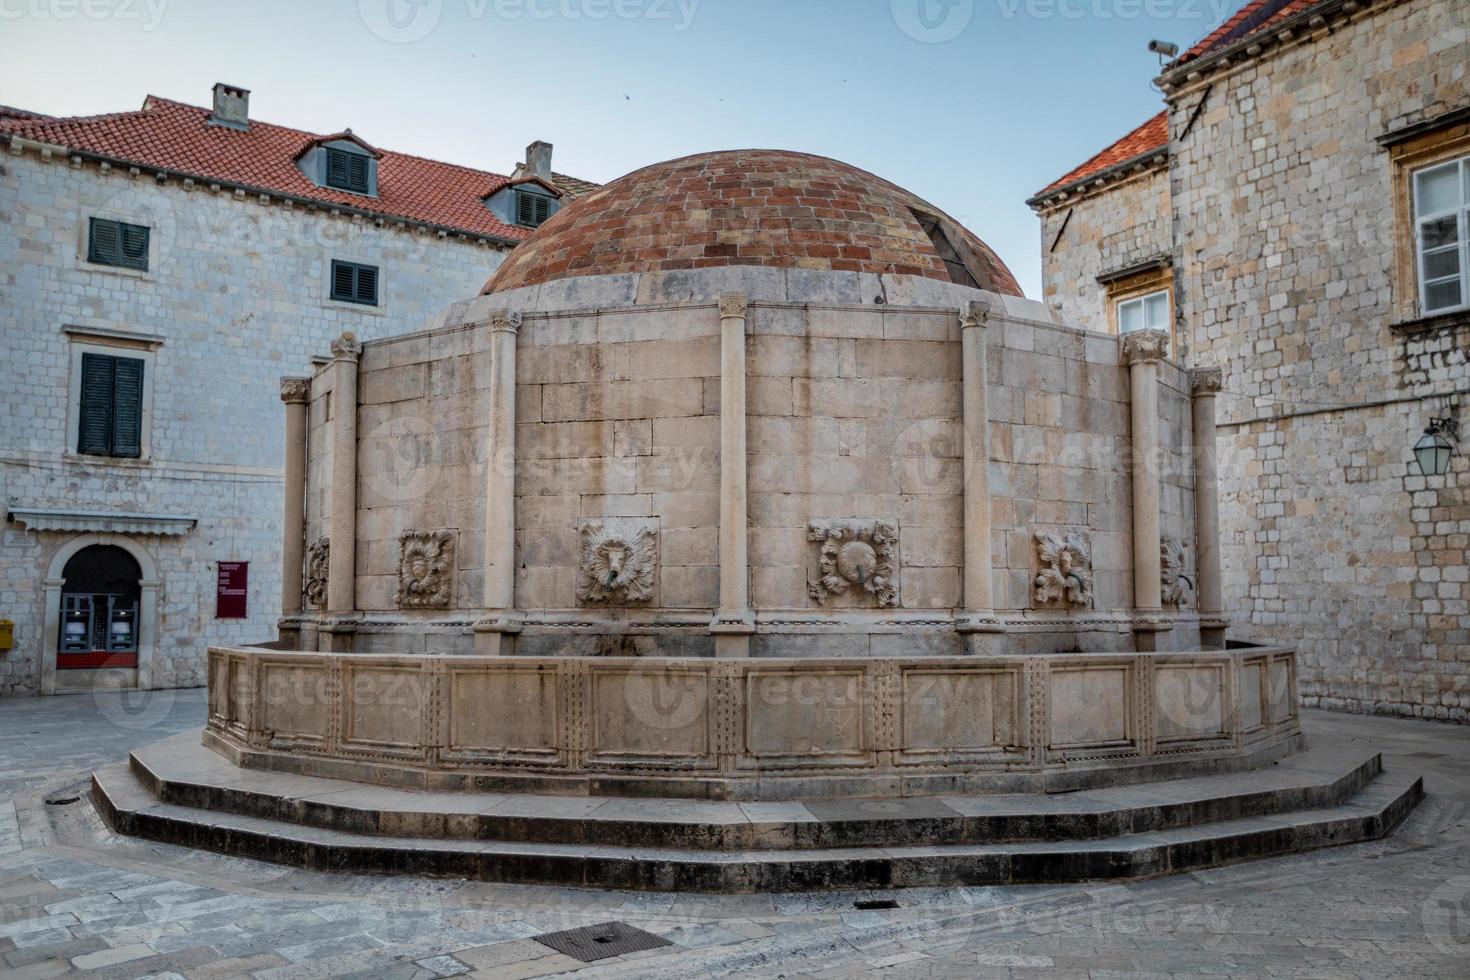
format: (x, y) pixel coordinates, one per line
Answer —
(1433, 450)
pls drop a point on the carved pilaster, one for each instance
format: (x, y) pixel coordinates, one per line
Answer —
(1206, 384)
(734, 621)
(296, 393)
(500, 489)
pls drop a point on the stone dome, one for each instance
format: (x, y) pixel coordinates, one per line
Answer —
(772, 208)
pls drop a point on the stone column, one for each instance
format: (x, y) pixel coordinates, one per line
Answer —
(342, 524)
(1205, 384)
(1141, 352)
(296, 393)
(495, 631)
(977, 620)
(735, 621)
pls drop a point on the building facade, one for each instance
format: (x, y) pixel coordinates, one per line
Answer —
(1297, 215)
(161, 270)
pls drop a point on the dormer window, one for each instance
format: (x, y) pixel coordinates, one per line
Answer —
(348, 171)
(343, 163)
(527, 203)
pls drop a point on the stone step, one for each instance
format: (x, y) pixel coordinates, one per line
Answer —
(1370, 813)
(182, 771)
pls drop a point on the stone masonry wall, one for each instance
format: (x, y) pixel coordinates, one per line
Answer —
(1286, 257)
(237, 292)
(1118, 228)
(852, 414)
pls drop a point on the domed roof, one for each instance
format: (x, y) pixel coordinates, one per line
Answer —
(752, 208)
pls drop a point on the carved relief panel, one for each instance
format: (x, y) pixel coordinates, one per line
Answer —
(425, 569)
(1064, 569)
(856, 560)
(318, 559)
(1176, 587)
(618, 562)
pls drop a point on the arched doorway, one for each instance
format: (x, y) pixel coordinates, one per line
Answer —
(107, 584)
(100, 603)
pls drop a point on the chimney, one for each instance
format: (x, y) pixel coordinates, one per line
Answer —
(538, 159)
(231, 106)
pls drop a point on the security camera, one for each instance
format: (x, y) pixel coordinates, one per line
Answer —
(1163, 48)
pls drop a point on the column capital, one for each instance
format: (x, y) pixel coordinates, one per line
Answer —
(1143, 347)
(974, 313)
(733, 305)
(505, 321)
(295, 391)
(346, 347)
(1206, 381)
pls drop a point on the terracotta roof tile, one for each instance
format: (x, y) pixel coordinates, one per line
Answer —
(175, 137)
(1250, 19)
(1152, 135)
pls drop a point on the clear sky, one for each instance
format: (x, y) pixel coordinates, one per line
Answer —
(972, 104)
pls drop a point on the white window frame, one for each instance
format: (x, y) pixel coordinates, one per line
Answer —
(1461, 212)
(1141, 299)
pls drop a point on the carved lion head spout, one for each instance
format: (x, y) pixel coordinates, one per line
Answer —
(617, 565)
(1064, 575)
(425, 569)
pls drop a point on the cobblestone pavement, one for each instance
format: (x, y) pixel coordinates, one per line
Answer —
(76, 899)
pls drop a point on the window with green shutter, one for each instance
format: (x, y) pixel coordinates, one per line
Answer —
(110, 420)
(348, 171)
(353, 282)
(532, 209)
(117, 243)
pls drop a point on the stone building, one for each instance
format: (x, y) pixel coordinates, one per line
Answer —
(1298, 217)
(159, 271)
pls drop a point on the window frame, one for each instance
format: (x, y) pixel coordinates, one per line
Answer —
(144, 349)
(1142, 299)
(1461, 213)
(90, 253)
(357, 269)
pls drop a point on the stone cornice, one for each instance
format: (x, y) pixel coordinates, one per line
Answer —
(1293, 30)
(1135, 166)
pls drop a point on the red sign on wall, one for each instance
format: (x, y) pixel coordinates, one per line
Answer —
(231, 591)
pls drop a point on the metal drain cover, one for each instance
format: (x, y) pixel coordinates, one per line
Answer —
(601, 941)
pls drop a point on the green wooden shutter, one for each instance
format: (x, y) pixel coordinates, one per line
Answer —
(357, 173)
(342, 281)
(104, 245)
(133, 252)
(94, 429)
(367, 285)
(543, 210)
(336, 168)
(127, 407)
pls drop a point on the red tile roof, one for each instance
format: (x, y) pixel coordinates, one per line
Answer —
(1254, 17)
(174, 136)
(1151, 136)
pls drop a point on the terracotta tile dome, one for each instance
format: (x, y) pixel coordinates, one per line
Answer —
(753, 208)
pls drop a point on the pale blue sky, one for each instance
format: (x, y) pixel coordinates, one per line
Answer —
(1025, 90)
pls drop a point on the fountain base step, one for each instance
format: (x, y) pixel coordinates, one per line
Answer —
(181, 793)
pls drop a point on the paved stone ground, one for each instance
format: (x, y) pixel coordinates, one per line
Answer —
(77, 899)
